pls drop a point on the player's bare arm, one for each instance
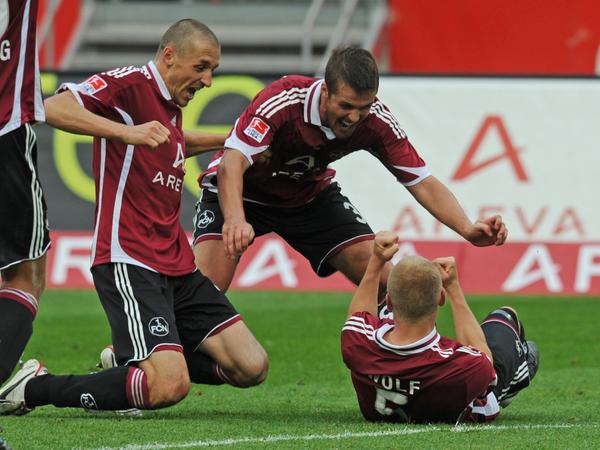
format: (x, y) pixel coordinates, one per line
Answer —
(366, 295)
(434, 196)
(237, 233)
(468, 330)
(64, 112)
(197, 142)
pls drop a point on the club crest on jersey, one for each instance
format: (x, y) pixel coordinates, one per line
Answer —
(88, 401)
(158, 326)
(93, 84)
(257, 129)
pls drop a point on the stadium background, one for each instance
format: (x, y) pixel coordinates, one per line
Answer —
(506, 119)
(500, 97)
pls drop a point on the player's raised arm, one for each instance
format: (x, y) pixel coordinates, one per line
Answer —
(197, 142)
(434, 196)
(237, 233)
(63, 111)
(468, 330)
(366, 295)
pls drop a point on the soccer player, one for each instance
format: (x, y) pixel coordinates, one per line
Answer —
(274, 174)
(170, 325)
(404, 371)
(24, 234)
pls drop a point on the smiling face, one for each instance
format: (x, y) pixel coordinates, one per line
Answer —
(188, 68)
(344, 109)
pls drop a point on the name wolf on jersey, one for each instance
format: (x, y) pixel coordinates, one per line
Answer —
(5, 50)
(389, 383)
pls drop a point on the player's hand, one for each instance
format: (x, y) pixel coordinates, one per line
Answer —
(237, 236)
(447, 266)
(151, 133)
(490, 231)
(385, 245)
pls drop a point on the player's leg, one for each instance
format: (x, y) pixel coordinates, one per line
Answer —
(516, 360)
(24, 240)
(144, 334)
(209, 251)
(218, 347)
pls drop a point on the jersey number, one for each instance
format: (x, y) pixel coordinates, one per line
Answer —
(384, 397)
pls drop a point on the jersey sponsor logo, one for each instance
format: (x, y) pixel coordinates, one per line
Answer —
(88, 401)
(257, 129)
(93, 85)
(158, 326)
(205, 218)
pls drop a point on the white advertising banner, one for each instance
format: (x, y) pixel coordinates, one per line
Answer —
(528, 149)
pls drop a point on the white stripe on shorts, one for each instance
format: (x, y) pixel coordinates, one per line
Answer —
(37, 233)
(132, 311)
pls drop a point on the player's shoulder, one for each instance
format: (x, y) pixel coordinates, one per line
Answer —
(116, 79)
(362, 322)
(381, 120)
(291, 82)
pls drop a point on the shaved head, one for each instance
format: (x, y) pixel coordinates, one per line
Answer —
(178, 35)
(415, 286)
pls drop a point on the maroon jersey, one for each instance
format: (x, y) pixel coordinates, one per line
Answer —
(138, 190)
(20, 92)
(282, 136)
(435, 379)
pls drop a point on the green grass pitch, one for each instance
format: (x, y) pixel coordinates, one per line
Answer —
(308, 400)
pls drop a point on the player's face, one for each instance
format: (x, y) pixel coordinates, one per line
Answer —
(192, 70)
(344, 109)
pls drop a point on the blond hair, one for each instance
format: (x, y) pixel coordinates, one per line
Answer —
(415, 286)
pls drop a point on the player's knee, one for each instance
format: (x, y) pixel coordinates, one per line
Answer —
(253, 372)
(168, 389)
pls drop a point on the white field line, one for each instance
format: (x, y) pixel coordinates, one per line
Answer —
(346, 435)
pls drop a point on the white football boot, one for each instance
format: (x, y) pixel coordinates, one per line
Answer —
(12, 394)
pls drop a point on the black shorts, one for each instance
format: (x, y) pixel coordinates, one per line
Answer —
(150, 312)
(509, 353)
(24, 233)
(317, 230)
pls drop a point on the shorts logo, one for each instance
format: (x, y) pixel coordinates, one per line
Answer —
(205, 219)
(87, 401)
(158, 326)
(93, 85)
(257, 129)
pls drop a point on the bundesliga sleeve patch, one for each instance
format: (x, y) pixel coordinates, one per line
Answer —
(93, 85)
(257, 129)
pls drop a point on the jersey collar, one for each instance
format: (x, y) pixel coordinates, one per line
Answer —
(159, 81)
(419, 346)
(311, 108)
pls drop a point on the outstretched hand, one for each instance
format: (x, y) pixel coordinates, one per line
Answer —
(151, 133)
(385, 245)
(489, 231)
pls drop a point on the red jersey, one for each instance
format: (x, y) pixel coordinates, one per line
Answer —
(20, 90)
(138, 190)
(435, 379)
(282, 136)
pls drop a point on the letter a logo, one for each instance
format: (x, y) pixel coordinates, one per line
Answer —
(468, 167)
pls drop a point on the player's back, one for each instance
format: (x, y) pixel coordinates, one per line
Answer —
(431, 380)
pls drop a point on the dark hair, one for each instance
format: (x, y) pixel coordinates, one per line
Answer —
(354, 66)
(179, 33)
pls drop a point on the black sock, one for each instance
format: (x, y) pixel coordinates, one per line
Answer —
(110, 389)
(202, 368)
(15, 330)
